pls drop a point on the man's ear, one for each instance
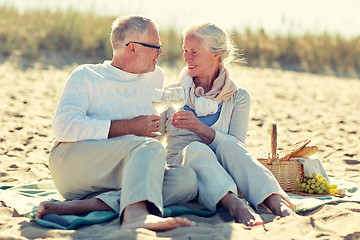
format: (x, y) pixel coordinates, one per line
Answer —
(131, 48)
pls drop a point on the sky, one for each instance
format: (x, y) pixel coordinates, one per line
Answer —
(275, 16)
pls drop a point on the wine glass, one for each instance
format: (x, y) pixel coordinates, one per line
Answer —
(177, 98)
(159, 101)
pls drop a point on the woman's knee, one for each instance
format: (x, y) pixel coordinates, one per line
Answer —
(231, 145)
(231, 151)
(195, 146)
(195, 152)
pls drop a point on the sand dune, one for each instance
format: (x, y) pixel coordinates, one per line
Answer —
(325, 109)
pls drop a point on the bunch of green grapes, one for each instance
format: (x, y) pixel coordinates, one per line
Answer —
(316, 184)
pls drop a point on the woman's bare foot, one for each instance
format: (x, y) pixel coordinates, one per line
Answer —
(278, 206)
(137, 216)
(71, 207)
(240, 211)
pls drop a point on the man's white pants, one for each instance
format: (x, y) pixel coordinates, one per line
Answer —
(122, 171)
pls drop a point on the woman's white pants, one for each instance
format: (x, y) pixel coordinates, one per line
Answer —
(230, 168)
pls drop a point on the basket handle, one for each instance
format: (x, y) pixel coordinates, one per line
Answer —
(273, 142)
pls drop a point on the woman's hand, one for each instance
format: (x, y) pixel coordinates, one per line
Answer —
(187, 120)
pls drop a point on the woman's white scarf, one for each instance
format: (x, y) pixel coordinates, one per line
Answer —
(207, 103)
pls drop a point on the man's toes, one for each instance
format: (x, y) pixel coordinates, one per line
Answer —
(41, 210)
(184, 222)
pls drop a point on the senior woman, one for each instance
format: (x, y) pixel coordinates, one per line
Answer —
(209, 134)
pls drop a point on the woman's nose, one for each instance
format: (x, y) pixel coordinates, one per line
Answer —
(186, 57)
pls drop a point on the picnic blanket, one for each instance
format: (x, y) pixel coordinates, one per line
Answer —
(24, 199)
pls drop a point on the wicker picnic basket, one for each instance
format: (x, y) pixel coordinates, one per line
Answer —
(285, 170)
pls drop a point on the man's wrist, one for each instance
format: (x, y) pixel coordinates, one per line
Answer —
(119, 128)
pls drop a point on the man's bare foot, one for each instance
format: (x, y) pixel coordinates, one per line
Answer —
(71, 207)
(156, 223)
(278, 206)
(240, 211)
(137, 216)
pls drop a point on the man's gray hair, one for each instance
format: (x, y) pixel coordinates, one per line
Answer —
(127, 27)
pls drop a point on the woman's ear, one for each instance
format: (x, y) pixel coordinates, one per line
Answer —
(217, 55)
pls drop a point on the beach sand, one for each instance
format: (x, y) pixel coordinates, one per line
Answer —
(325, 109)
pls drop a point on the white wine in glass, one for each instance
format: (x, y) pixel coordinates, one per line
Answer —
(160, 106)
(159, 101)
(177, 98)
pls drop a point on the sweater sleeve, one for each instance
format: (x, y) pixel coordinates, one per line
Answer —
(239, 120)
(71, 122)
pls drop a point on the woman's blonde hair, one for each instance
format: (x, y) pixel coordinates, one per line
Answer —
(216, 40)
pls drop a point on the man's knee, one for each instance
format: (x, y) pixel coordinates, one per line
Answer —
(151, 143)
(149, 150)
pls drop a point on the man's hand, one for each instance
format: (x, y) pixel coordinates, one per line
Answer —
(144, 125)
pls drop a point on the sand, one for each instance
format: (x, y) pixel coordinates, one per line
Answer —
(325, 109)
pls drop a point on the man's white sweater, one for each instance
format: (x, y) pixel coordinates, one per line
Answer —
(95, 94)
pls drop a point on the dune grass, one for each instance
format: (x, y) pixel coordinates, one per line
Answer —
(88, 35)
(59, 31)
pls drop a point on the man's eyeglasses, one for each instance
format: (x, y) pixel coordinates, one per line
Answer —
(146, 45)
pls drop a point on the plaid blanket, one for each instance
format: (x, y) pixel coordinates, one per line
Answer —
(26, 198)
